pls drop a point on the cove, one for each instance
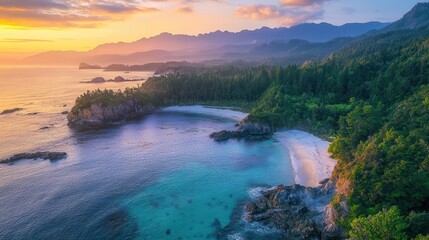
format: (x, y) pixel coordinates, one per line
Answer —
(161, 177)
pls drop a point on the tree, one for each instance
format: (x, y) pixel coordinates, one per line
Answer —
(385, 225)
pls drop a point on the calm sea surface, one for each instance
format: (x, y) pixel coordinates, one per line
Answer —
(161, 177)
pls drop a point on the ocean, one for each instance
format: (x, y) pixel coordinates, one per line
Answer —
(160, 177)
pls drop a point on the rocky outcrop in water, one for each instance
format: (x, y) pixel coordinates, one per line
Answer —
(7, 111)
(98, 80)
(247, 130)
(119, 79)
(301, 212)
(97, 115)
(36, 155)
(116, 79)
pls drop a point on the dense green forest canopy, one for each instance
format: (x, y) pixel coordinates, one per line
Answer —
(371, 98)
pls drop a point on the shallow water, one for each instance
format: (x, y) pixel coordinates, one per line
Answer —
(161, 177)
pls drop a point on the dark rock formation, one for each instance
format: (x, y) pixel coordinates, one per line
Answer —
(98, 115)
(240, 229)
(300, 211)
(7, 111)
(119, 79)
(98, 80)
(65, 112)
(116, 79)
(36, 155)
(225, 135)
(247, 130)
(120, 225)
(88, 66)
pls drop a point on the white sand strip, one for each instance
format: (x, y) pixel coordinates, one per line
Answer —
(220, 112)
(309, 156)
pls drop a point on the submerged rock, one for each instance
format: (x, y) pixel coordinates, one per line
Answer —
(120, 225)
(8, 111)
(36, 155)
(301, 212)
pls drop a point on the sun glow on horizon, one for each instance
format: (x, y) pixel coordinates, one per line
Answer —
(48, 25)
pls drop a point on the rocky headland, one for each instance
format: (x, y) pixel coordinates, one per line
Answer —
(36, 155)
(98, 115)
(89, 66)
(300, 212)
(247, 130)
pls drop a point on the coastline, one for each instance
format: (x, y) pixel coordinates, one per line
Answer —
(233, 114)
(308, 153)
(309, 156)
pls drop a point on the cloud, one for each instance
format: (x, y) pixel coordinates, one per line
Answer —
(186, 10)
(72, 13)
(301, 2)
(259, 12)
(287, 13)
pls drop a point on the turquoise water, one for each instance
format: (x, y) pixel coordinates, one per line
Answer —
(158, 178)
(188, 200)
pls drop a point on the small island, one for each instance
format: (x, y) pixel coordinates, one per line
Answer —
(116, 79)
(89, 66)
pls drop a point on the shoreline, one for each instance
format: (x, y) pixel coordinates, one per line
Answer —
(225, 112)
(308, 153)
(309, 156)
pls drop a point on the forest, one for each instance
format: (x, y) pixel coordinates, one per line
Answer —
(371, 99)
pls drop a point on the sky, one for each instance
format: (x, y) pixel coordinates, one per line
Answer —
(28, 27)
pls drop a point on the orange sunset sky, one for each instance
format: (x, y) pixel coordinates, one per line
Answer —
(31, 26)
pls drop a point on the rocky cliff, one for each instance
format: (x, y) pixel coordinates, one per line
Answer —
(98, 114)
(301, 212)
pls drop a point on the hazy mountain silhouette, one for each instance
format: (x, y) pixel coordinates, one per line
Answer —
(167, 47)
(298, 51)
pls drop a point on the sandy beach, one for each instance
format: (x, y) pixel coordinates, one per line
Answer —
(226, 113)
(309, 156)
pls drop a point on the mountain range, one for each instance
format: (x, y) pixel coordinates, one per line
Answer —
(214, 45)
(282, 45)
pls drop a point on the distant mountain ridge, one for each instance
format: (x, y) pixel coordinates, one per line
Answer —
(312, 32)
(297, 44)
(417, 17)
(169, 47)
(298, 51)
